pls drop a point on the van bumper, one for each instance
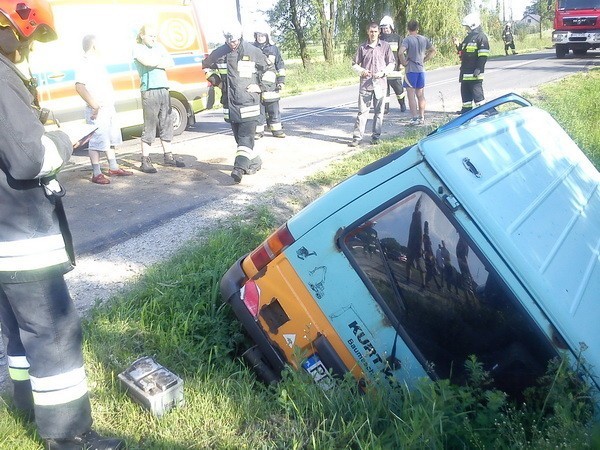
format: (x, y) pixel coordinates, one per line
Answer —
(230, 286)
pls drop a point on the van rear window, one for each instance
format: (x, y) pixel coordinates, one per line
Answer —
(434, 286)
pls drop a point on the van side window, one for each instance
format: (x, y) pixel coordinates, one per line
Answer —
(435, 288)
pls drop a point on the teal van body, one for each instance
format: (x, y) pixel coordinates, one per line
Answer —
(482, 239)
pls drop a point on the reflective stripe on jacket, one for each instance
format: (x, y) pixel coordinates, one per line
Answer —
(30, 237)
(474, 51)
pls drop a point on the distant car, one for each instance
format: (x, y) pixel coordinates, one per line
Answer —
(482, 239)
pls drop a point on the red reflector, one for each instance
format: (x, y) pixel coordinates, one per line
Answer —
(273, 246)
(251, 297)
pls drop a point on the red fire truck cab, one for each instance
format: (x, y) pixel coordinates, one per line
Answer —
(576, 26)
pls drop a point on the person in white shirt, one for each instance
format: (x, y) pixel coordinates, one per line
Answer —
(93, 84)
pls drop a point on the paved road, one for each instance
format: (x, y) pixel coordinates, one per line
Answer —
(318, 125)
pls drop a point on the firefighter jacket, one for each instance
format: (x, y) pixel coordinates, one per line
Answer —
(31, 244)
(474, 51)
(233, 71)
(274, 56)
(395, 42)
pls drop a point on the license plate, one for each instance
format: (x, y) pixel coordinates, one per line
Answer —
(317, 370)
(578, 35)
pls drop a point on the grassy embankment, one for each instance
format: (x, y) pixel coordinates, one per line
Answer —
(175, 313)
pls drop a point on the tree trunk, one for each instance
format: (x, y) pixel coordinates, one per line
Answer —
(299, 34)
(326, 27)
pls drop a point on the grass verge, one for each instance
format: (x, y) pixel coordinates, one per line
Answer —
(175, 313)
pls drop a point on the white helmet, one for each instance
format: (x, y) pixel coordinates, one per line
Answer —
(262, 28)
(472, 21)
(232, 31)
(387, 20)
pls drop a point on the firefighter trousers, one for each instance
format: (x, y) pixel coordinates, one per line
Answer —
(271, 113)
(246, 157)
(43, 339)
(471, 93)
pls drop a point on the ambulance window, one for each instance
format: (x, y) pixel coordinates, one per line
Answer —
(440, 294)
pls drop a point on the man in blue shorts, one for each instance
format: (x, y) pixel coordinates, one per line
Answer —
(413, 53)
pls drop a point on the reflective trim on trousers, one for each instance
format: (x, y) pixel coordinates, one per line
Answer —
(59, 389)
(18, 368)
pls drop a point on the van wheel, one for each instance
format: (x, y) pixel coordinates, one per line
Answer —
(180, 116)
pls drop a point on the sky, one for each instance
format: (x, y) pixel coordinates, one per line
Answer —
(214, 18)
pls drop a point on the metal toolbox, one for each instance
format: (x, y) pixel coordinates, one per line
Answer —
(152, 385)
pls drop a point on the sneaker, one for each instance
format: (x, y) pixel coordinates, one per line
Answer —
(421, 121)
(375, 141)
(88, 441)
(237, 174)
(100, 179)
(170, 160)
(119, 172)
(354, 143)
(278, 134)
(147, 166)
(414, 121)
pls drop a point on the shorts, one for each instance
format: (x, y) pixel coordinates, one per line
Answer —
(156, 105)
(414, 80)
(108, 133)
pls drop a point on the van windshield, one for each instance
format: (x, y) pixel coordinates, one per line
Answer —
(436, 289)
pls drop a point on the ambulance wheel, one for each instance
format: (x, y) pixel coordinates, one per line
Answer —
(180, 116)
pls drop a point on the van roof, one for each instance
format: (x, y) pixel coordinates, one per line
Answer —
(536, 197)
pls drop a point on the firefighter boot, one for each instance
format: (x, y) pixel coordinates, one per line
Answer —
(147, 166)
(89, 441)
(402, 105)
(255, 166)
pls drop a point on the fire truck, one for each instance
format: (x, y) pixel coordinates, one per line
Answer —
(576, 26)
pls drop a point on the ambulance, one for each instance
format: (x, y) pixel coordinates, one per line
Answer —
(116, 24)
(481, 239)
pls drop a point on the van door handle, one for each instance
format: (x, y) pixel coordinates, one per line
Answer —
(470, 167)
(56, 76)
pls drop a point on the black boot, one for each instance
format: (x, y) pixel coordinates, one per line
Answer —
(86, 441)
(402, 105)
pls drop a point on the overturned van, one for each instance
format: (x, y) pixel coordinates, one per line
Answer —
(482, 239)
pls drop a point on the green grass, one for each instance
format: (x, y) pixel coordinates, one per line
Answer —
(175, 313)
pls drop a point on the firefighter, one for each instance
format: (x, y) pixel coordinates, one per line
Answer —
(394, 78)
(473, 51)
(271, 113)
(40, 325)
(243, 73)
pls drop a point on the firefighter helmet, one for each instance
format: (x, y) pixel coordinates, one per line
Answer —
(28, 18)
(232, 31)
(387, 20)
(262, 28)
(472, 21)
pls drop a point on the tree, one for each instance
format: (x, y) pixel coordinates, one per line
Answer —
(327, 12)
(291, 21)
